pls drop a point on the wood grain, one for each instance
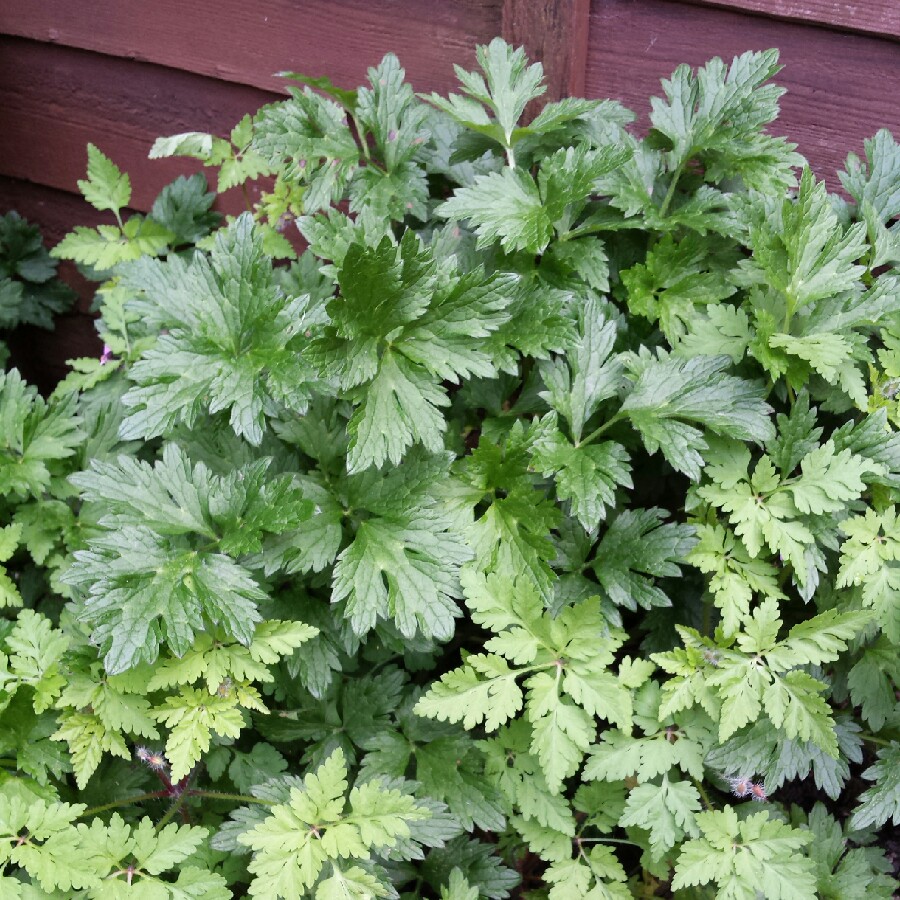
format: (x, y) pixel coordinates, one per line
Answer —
(878, 17)
(57, 99)
(554, 33)
(233, 40)
(839, 85)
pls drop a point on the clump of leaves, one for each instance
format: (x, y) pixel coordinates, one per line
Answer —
(30, 291)
(532, 534)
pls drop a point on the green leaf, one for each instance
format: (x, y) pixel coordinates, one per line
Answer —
(669, 392)
(667, 810)
(735, 686)
(573, 653)
(458, 888)
(620, 756)
(156, 572)
(756, 855)
(320, 826)
(637, 548)
(587, 476)
(34, 436)
(404, 569)
(873, 682)
(39, 837)
(719, 113)
(105, 246)
(881, 801)
(193, 717)
(801, 250)
(484, 690)
(106, 186)
(510, 537)
(308, 141)
(184, 207)
(562, 730)
(874, 182)
(595, 875)
(510, 207)
(194, 144)
(736, 576)
(215, 660)
(507, 86)
(588, 375)
(678, 280)
(503, 206)
(207, 362)
(722, 331)
(400, 407)
(403, 324)
(867, 560)
(34, 652)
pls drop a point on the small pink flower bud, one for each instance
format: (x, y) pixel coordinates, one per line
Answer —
(153, 759)
(740, 786)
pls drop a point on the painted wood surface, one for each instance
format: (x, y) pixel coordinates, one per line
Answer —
(237, 41)
(555, 33)
(878, 17)
(841, 87)
(57, 99)
(128, 72)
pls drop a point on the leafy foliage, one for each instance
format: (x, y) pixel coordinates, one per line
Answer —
(531, 534)
(30, 291)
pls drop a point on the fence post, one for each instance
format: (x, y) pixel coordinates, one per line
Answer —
(555, 33)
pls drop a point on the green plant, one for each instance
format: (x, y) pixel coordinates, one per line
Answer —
(532, 533)
(30, 292)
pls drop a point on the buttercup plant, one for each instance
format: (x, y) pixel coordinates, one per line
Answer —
(532, 533)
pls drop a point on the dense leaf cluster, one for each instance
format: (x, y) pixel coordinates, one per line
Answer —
(532, 533)
(30, 291)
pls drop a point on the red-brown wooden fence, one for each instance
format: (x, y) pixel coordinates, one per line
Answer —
(121, 73)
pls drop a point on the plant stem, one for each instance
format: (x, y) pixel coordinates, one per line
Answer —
(598, 431)
(607, 841)
(510, 157)
(130, 801)
(703, 795)
(871, 739)
(171, 811)
(236, 798)
(246, 194)
(670, 193)
(361, 138)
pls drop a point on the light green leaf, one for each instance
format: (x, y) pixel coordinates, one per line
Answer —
(106, 186)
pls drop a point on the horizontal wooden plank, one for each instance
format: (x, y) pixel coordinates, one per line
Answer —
(837, 83)
(247, 42)
(57, 99)
(879, 17)
(556, 33)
